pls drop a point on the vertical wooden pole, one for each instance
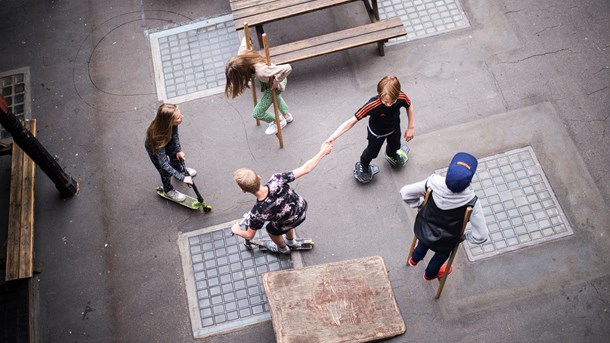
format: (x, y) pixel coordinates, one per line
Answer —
(453, 253)
(426, 197)
(277, 114)
(247, 32)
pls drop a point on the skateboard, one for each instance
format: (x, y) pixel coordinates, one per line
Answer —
(374, 170)
(300, 244)
(403, 153)
(189, 202)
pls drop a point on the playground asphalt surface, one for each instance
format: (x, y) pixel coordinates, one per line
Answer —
(525, 73)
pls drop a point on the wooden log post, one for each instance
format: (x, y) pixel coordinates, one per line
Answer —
(64, 183)
(253, 82)
(273, 96)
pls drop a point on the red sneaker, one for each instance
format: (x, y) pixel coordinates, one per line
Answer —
(441, 272)
(411, 262)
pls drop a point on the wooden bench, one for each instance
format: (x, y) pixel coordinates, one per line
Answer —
(258, 12)
(378, 32)
(20, 238)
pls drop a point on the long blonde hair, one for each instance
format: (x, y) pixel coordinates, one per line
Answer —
(159, 132)
(239, 70)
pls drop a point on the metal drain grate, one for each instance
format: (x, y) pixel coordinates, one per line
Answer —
(518, 202)
(223, 279)
(15, 85)
(424, 18)
(189, 60)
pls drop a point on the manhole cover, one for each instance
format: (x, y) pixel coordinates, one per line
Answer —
(518, 202)
(223, 279)
(189, 60)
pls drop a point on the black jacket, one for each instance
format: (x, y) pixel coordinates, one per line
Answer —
(440, 230)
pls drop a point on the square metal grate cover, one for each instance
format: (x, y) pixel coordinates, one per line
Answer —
(223, 279)
(424, 18)
(189, 60)
(518, 202)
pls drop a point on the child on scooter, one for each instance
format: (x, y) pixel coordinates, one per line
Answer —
(163, 147)
(383, 111)
(278, 207)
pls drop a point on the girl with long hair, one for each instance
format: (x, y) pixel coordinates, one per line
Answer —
(163, 147)
(238, 72)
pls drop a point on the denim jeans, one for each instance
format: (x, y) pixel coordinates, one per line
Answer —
(435, 263)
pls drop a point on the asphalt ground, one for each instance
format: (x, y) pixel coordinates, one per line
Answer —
(525, 73)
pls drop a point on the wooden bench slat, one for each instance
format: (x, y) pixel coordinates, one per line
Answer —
(27, 213)
(14, 216)
(281, 11)
(337, 41)
(253, 6)
(20, 239)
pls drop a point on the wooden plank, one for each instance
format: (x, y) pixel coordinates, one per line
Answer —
(14, 215)
(27, 211)
(358, 31)
(347, 301)
(257, 15)
(337, 41)
(19, 263)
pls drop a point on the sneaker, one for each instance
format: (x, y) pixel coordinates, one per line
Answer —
(292, 243)
(272, 129)
(411, 262)
(400, 159)
(362, 175)
(288, 118)
(441, 272)
(271, 246)
(192, 172)
(176, 196)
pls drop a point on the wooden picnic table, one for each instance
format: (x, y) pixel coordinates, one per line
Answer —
(259, 12)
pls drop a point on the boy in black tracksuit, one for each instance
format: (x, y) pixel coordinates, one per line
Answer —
(384, 125)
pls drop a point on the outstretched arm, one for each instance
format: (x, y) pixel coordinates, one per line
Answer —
(313, 162)
(343, 128)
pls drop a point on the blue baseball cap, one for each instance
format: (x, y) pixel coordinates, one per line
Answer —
(460, 171)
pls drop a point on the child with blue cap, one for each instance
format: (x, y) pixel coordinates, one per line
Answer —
(438, 224)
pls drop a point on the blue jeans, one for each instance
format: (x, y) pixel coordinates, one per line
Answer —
(435, 263)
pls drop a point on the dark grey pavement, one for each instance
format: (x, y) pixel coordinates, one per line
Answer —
(524, 73)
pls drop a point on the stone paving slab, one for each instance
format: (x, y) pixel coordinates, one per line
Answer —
(347, 301)
(223, 279)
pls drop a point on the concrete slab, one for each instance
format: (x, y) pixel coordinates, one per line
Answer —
(348, 301)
